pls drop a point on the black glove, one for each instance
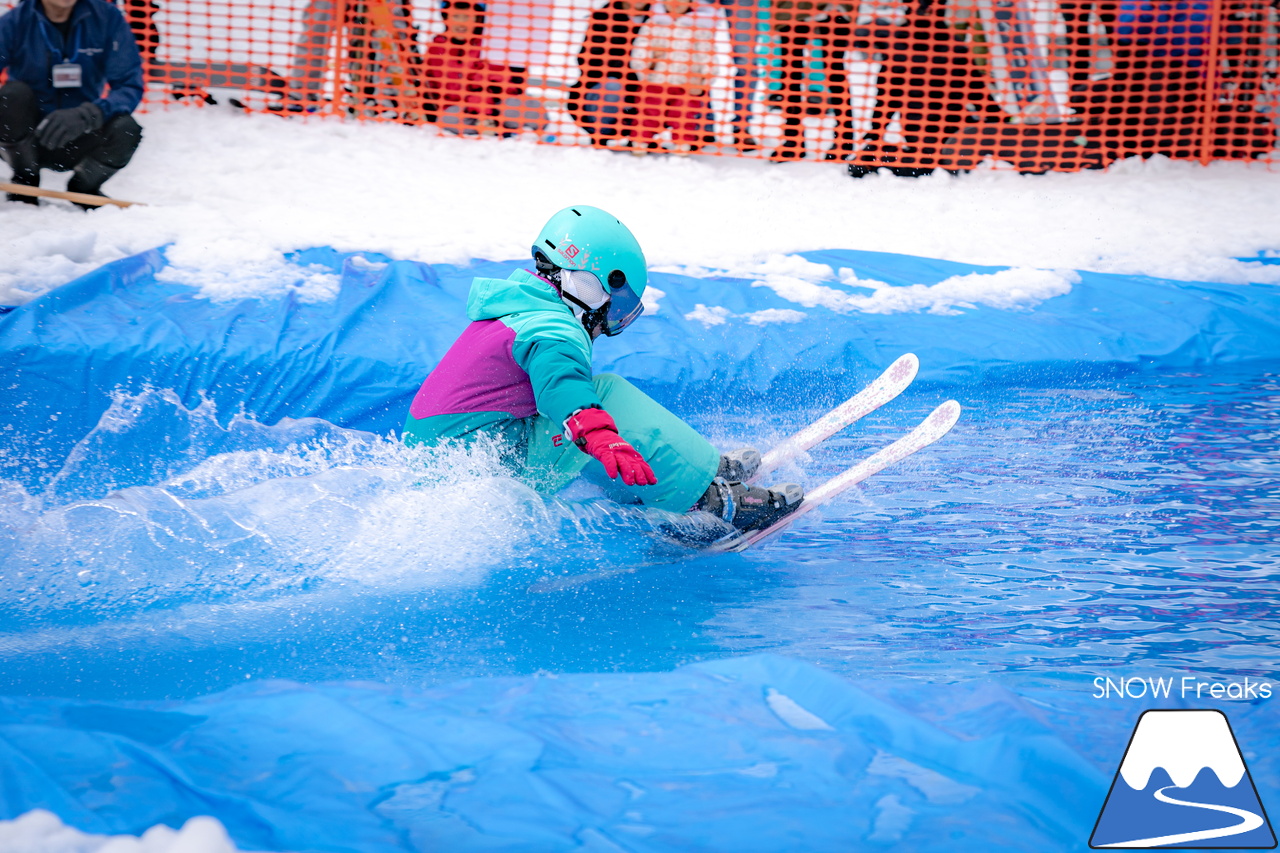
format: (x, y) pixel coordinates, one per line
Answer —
(61, 127)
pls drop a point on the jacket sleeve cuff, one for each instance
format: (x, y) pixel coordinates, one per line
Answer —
(583, 421)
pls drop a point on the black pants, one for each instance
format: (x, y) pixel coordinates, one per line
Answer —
(112, 145)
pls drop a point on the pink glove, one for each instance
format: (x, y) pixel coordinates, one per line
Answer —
(596, 433)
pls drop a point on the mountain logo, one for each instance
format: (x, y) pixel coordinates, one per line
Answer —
(1183, 783)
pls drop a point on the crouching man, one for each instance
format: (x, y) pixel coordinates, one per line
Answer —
(60, 55)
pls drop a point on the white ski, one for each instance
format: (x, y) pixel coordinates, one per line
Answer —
(934, 427)
(882, 389)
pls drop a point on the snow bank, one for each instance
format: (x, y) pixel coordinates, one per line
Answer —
(40, 831)
(233, 192)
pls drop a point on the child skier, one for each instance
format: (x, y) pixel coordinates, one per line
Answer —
(521, 374)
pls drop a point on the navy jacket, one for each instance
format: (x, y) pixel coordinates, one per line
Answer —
(100, 43)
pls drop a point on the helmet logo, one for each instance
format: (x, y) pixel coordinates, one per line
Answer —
(570, 251)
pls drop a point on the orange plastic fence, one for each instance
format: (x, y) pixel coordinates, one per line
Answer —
(1042, 85)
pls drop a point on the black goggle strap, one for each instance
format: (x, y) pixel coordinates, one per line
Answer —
(553, 274)
(586, 309)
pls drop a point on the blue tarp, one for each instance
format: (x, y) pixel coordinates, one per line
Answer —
(357, 360)
(758, 753)
(755, 753)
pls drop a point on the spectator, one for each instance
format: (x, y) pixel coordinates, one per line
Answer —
(467, 92)
(1089, 27)
(1150, 102)
(383, 64)
(745, 20)
(814, 40)
(312, 55)
(53, 114)
(1245, 117)
(928, 81)
(674, 58)
(380, 82)
(605, 96)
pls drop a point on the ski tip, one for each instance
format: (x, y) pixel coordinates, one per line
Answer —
(905, 368)
(945, 416)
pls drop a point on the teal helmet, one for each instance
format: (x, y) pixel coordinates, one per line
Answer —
(597, 264)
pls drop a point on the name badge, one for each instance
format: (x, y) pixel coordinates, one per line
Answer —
(66, 75)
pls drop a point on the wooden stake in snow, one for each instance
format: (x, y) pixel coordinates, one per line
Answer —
(79, 198)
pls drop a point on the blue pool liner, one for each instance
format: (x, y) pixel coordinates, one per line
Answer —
(758, 753)
(744, 754)
(357, 359)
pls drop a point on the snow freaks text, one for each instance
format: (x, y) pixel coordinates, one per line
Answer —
(1186, 687)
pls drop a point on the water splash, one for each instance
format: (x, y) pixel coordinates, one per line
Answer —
(162, 506)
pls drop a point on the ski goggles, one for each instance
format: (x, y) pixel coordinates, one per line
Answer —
(624, 307)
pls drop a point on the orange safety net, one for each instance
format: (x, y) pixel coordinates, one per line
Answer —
(1038, 84)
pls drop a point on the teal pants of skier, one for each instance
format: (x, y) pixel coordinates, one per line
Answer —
(685, 463)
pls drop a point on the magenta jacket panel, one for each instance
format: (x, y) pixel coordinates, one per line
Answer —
(477, 374)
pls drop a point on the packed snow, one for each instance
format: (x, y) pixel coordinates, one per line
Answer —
(230, 192)
(40, 831)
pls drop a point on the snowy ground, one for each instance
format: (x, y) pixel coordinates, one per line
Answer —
(42, 832)
(231, 192)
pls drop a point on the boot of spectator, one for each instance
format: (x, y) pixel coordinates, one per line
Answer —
(18, 118)
(21, 157)
(87, 177)
(793, 146)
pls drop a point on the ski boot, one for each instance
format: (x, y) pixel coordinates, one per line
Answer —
(749, 508)
(738, 466)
